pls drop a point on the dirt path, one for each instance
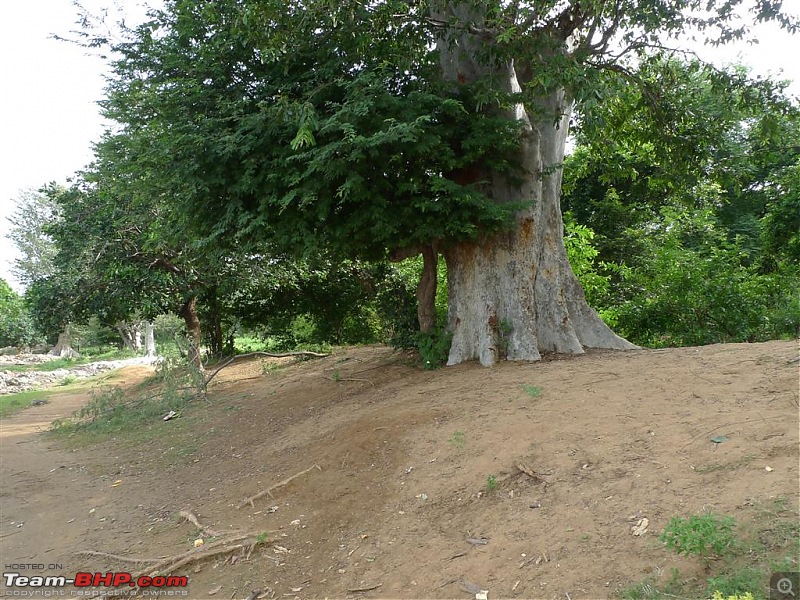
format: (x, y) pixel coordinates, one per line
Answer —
(47, 492)
(413, 463)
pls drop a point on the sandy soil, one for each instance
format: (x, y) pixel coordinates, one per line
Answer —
(405, 458)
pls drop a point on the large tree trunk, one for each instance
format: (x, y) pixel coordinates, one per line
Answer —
(188, 312)
(63, 347)
(513, 295)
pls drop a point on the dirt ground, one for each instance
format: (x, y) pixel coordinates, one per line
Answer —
(546, 467)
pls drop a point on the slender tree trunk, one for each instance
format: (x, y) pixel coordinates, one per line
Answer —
(149, 339)
(513, 295)
(131, 334)
(213, 320)
(188, 312)
(426, 289)
(63, 347)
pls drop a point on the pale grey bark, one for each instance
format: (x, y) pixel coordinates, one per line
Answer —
(513, 295)
(131, 334)
(149, 339)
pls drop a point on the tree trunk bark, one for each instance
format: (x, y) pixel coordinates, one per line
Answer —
(63, 347)
(189, 313)
(513, 295)
(131, 334)
(426, 289)
(213, 321)
(149, 339)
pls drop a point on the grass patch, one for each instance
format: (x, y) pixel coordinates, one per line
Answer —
(729, 466)
(532, 390)
(744, 555)
(459, 439)
(114, 411)
(11, 403)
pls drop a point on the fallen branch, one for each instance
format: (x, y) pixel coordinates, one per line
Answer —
(118, 557)
(350, 379)
(365, 589)
(267, 354)
(192, 518)
(253, 595)
(268, 491)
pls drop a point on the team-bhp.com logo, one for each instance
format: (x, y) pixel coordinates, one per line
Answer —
(85, 580)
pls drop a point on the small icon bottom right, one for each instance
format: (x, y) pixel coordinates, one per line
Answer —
(784, 585)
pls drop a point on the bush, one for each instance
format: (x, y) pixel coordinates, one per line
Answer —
(694, 287)
(707, 536)
(17, 327)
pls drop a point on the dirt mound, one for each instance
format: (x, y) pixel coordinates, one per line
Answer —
(527, 480)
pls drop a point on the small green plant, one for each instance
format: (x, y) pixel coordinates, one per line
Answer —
(268, 368)
(707, 536)
(532, 390)
(719, 596)
(434, 348)
(336, 375)
(504, 329)
(262, 538)
(491, 483)
(459, 439)
(737, 583)
(68, 380)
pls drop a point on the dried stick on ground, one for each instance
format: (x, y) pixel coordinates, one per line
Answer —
(368, 588)
(350, 379)
(268, 491)
(267, 354)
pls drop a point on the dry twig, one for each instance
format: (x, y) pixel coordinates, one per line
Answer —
(368, 588)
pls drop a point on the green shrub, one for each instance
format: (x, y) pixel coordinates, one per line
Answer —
(695, 287)
(434, 347)
(707, 536)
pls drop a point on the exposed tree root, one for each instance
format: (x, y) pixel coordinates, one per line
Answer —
(268, 354)
(246, 542)
(268, 491)
(118, 557)
(188, 515)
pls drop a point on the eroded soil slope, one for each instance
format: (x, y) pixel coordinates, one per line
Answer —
(545, 467)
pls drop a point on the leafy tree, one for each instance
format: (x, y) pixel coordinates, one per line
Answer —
(34, 211)
(687, 182)
(436, 127)
(16, 325)
(691, 137)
